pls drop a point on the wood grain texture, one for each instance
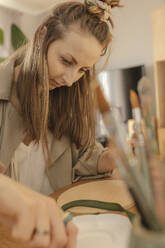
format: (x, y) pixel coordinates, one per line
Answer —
(103, 190)
(161, 138)
(158, 27)
(159, 69)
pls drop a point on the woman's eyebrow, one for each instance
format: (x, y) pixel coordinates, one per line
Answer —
(75, 62)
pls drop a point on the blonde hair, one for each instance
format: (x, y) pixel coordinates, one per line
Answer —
(65, 110)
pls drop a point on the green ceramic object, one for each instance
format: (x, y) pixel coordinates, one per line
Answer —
(98, 204)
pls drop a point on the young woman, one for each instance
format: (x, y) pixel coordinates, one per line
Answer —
(46, 119)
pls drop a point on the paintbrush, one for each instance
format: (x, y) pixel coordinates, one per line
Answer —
(142, 155)
(102, 103)
(127, 165)
(156, 171)
(155, 165)
(103, 106)
(145, 93)
(141, 148)
(136, 112)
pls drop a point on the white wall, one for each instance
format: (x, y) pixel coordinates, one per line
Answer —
(132, 44)
(29, 23)
(7, 18)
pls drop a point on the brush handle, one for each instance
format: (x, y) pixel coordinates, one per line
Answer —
(158, 186)
(142, 156)
(136, 112)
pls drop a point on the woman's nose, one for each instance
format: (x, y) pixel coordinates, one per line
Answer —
(69, 77)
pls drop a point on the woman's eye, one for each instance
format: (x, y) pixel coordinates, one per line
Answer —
(65, 61)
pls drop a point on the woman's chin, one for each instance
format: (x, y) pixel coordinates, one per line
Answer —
(51, 88)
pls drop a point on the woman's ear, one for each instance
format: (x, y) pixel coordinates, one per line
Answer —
(43, 31)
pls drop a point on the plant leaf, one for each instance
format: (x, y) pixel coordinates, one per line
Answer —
(1, 37)
(17, 37)
(2, 59)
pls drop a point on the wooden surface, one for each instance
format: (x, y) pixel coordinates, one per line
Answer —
(159, 69)
(5, 238)
(158, 27)
(103, 190)
(161, 138)
(158, 38)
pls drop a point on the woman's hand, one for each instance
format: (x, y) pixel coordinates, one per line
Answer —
(106, 162)
(34, 218)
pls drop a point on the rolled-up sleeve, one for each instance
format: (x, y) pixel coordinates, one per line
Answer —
(84, 167)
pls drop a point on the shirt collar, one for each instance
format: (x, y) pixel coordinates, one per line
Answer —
(6, 77)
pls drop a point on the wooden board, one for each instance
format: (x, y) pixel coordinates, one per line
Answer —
(107, 190)
(161, 138)
(158, 26)
(159, 69)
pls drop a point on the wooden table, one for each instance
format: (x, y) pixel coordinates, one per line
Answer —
(6, 240)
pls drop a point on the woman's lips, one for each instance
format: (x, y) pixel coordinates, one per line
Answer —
(54, 83)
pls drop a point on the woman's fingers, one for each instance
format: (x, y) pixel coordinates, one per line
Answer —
(41, 234)
(27, 211)
(7, 221)
(72, 232)
(24, 226)
(41, 225)
(59, 237)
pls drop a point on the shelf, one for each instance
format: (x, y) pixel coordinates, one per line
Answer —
(160, 92)
(161, 139)
(158, 26)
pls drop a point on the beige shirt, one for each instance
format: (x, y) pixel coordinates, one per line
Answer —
(28, 167)
(68, 163)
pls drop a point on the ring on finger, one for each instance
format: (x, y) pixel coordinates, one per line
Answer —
(41, 232)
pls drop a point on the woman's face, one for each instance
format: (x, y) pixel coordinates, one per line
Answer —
(69, 58)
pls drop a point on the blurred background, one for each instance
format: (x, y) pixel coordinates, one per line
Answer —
(131, 54)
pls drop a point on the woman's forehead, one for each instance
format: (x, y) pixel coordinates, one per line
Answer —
(81, 45)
